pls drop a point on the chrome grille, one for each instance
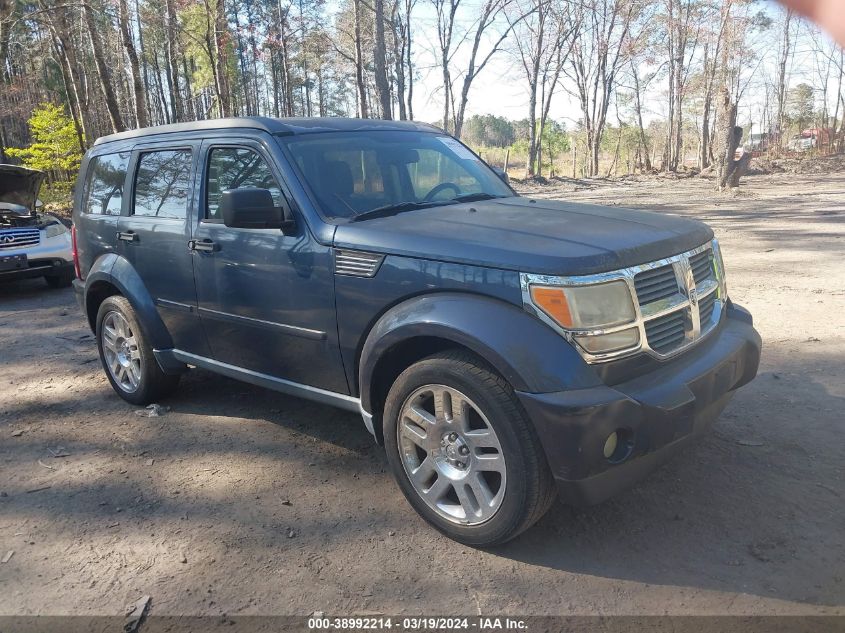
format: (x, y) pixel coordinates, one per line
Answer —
(673, 321)
(678, 302)
(702, 266)
(706, 308)
(18, 238)
(656, 283)
(357, 263)
(666, 332)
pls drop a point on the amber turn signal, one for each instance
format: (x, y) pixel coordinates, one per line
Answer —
(552, 301)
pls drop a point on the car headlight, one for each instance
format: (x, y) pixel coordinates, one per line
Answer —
(588, 311)
(54, 230)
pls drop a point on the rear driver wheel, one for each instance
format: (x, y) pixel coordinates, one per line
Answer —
(126, 355)
(463, 451)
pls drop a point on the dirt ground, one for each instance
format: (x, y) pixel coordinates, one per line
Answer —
(243, 501)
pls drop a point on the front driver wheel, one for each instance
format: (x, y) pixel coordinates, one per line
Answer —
(463, 451)
(126, 355)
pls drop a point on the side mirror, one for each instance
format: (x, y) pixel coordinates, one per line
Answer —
(249, 208)
(38, 204)
(501, 173)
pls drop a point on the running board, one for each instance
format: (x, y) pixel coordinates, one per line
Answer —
(342, 401)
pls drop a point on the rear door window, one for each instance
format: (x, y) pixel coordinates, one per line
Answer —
(236, 168)
(107, 175)
(163, 183)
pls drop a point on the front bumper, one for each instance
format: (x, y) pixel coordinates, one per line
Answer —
(51, 256)
(658, 413)
(38, 268)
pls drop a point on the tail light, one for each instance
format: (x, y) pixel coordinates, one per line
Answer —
(75, 252)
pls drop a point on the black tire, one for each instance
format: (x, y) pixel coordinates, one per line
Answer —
(63, 280)
(153, 384)
(529, 489)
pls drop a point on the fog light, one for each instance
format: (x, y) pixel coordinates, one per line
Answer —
(610, 445)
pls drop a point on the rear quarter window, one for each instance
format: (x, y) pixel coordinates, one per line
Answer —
(162, 184)
(104, 188)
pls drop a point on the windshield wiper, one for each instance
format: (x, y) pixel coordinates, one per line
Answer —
(475, 197)
(393, 209)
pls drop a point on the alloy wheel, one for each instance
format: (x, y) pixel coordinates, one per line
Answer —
(451, 454)
(120, 349)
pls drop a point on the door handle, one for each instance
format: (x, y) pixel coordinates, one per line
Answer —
(127, 236)
(204, 246)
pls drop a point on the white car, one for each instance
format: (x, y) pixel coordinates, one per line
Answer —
(32, 244)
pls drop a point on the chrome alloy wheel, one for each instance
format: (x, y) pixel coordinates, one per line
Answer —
(451, 455)
(120, 348)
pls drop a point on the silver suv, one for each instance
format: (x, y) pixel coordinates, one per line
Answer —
(32, 244)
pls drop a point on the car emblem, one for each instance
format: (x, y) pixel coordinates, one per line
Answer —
(693, 296)
(7, 239)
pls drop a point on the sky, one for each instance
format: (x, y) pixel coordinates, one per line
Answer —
(501, 88)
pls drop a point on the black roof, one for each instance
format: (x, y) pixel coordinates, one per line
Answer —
(288, 126)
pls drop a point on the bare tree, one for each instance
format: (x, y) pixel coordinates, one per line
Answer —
(783, 59)
(490, 10)
(446, 11)
(400, 25)
(603, 32)
(682, 26)
(542, 41)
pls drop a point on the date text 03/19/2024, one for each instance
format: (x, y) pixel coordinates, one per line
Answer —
(417, 623)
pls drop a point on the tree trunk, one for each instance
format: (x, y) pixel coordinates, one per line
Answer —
(725, 141)
(103, 71)
(6, 9)
(361, 86)
(139, 99)
(409, 4)
(380, 63)
(704, 142)
(399, 39)
(172, 62)
(530, 168)
(646, 160)
(221, 58)
(144, 73)
(190, 109)
(782, 62)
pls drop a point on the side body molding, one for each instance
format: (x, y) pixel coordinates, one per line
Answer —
(529, 354)
(117, 271)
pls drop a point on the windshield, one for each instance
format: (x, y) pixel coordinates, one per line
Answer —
(367, 173)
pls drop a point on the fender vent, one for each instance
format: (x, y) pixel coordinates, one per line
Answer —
(356, 263)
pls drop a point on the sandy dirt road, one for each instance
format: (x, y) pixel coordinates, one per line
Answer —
(243, 501)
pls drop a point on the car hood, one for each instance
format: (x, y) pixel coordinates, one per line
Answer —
(529, 235)
(19, 186)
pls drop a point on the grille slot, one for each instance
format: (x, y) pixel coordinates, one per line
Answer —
(705, 310)
(702, 265)
(357, 263)
(655, 284)
(667, 332)
(18, 238)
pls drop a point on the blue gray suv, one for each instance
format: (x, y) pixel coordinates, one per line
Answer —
(504, 350)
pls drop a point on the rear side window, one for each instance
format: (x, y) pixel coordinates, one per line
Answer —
(235, 168)
(104, 193)
(162, 184)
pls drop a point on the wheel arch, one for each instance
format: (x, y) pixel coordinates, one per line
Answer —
(114, 275)
(519, 347)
